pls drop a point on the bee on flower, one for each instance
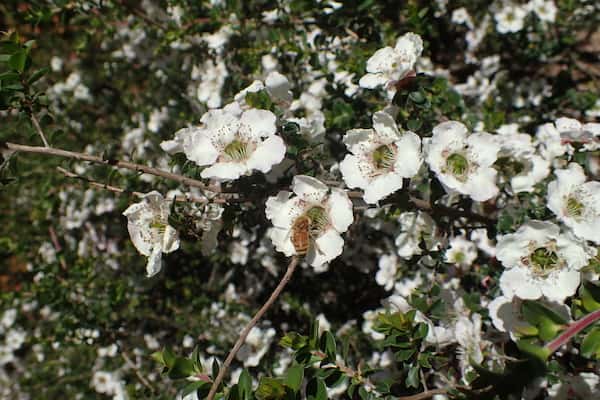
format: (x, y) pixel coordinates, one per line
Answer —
(311, 222)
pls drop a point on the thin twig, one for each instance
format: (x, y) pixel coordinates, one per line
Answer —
(137, 371)
(286, 278)
(425, 395)
(115, 163)
(118, 190)
(39, 130)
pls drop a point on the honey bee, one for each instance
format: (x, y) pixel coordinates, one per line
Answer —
(301, 234)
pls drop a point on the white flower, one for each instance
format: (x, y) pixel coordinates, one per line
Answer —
(541, 261)
(586, 385)
(467, 332)
(462, 161)
(576, 202)
(554, 138)
(414, 228)
(105, 382)
(381, 157)
(256, 345)
(212, 76)
(518, 156)
(149, 229)
(8, 318)
(391, 64)
(15, 338)
(276, 85)
(573, 131)
(231, 143)
(388, 267)
(461, 252)
(545, 9)
(510, 18)
(311, 222)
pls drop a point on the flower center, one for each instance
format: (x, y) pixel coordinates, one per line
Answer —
(236, 150)
(384, 157)
(458, 165)
(459, 257)
(543, 260)
(318, 220)
(575, 208)
(158, 224)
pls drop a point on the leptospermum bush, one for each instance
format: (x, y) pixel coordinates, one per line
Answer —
(300, 199)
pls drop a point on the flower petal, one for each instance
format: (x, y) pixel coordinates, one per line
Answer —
(340, 210)
(154, 262)
(225, 171)
(309, 189)
(327, 247)
(268, 153)
(256, 123)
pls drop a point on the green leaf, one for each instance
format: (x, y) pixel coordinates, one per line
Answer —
(181, 368)
(260, 99)
(590, 296)
(403, 355)
(412, 379)
(590, 346)
(316, 389)
(37, 75)
(245, 385)
(192, 387)
(294, 377)
(17, 60)
(531, 349)
(328, 345)
(270, 389)
(293, 340)
(548, 322)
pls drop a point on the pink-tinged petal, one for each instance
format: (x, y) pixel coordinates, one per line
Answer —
(256, 123)
(309, 189)
(225, 171)
(268, 153)
(340, 210)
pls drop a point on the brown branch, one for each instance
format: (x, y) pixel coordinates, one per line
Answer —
(137, 372)
(286, 278)
(39, 130)
(118, 190)
(114, 163)
(425, 395)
